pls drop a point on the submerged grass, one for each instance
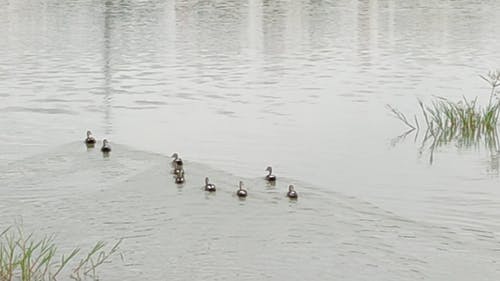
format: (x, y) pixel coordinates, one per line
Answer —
(24, 257)
(465, 121)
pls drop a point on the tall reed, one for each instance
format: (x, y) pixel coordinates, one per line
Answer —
(465, 121)
(466, 116)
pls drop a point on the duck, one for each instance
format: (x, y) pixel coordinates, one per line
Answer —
(270, 177)
(177, 162)
(292, 194)
(242, 193)
(209, 186)
(180, 177)
(90, 138)
(105, 146)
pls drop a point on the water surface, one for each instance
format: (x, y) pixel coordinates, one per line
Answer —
(237, 86)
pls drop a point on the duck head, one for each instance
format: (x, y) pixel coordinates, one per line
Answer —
(269, 169)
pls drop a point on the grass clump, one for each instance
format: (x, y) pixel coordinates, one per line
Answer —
(26, 258)
(465, 122)
(465, 116)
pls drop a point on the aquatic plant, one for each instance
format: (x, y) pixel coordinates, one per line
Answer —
(465, 116)
(25, 257)
(465, 122)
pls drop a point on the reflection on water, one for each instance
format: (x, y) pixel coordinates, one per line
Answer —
(240, 85)
(429, 143)
(107, 98)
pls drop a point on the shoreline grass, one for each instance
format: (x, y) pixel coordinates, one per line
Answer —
(27, 258)
(465, 121)
(465, 116)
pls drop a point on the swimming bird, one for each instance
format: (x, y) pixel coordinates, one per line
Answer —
(177, 162)
(209, 186)
(292, 194)
(180, 177)
(241, 192)
(90, 138)
(270, 177)
(105, 146)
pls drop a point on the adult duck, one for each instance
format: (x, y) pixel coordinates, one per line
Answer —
(177, 162)
(270, 177)
(292, 194)
(90, 138)
(106, 148)
(241, 192)
(210, 187)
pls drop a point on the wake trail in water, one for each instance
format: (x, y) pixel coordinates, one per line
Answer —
(182, 232)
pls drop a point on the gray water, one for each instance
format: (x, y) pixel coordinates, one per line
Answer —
(234, 86)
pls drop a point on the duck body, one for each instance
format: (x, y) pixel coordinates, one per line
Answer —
(210, 187)
(292, 194)
(180, 178)
(178, 162)
(106, 148)
(90, 138)
(178, 171)
(270, 177)
(242, 193)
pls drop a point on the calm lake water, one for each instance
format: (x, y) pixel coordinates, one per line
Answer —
(234, 86)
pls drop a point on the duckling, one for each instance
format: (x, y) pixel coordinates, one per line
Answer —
(270, 177)
(292, 194)
(90, 138)
(177, 162)
(105, 146)
(241, 192)
(209, 186)
(180, 177)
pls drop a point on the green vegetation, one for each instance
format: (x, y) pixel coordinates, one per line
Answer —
(24, 257)
(465, 122)
(463, 117)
